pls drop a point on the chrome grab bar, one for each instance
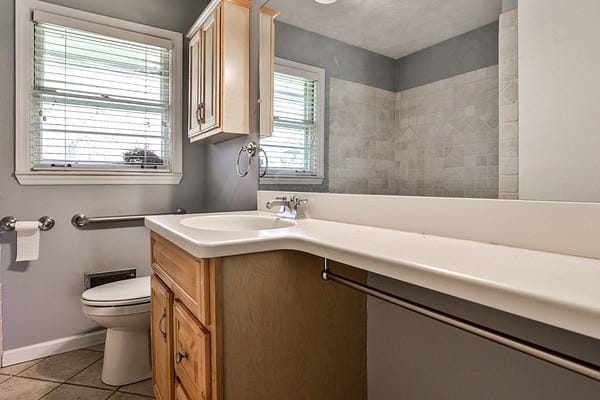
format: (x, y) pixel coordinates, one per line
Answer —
(82, 220)
(573, 364)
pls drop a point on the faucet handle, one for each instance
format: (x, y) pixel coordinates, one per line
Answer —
(297, 201)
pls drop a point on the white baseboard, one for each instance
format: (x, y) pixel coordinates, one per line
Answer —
(52, 347)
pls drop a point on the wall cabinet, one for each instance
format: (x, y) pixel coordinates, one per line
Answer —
(254, 327)
(267, 69)
(219, 77)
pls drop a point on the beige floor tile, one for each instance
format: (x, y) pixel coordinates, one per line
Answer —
(25, 389)
(4, 378)
(70, 392)
(92, 376)
(61, 367)
(98, 347)
(144, 388)
(127, 396)
(15, 369)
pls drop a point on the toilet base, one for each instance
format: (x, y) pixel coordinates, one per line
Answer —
(126, 357)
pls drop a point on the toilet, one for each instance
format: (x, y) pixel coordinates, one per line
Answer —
(123, 308)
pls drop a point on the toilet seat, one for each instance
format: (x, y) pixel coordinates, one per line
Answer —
(125, 293)
(113, 311)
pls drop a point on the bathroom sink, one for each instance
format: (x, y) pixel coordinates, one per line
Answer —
(235, 223)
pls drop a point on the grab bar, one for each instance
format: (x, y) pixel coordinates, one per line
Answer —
(81, 220)
(542, 353)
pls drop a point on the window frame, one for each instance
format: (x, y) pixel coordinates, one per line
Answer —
(311, 72)
(24, 42)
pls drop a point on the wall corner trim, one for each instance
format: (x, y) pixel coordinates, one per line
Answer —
(52, 347)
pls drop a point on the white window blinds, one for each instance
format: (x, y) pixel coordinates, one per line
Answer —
(99, 101)
(293, 147)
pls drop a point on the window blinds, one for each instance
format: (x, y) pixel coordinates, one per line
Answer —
(293, 146)
(98, 101)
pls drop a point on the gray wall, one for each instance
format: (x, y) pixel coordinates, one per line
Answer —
(340, 60)
(411, 357)
(41, 299)
(224, 189)
(467, 52)
(509, 4)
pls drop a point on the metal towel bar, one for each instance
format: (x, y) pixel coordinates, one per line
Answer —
(81, 220)
(562, 360)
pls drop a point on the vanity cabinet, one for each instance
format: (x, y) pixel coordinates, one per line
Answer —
(254, 327)
(161, 335)
(219, 80)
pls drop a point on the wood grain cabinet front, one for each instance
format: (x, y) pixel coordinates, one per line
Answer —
(219, 77)
(180, 393)
(258, 326)
(162, 340)
(194, 87)
(192, 353)
(187, 276)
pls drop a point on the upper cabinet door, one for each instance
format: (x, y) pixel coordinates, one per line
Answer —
(267, 69)
(210, 76)
(220, 38)
(194, 108)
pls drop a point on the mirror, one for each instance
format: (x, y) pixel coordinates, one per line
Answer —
(421, 98)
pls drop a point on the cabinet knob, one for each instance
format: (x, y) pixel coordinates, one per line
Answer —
(179, 357)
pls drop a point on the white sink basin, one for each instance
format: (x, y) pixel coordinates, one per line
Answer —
(235, 223)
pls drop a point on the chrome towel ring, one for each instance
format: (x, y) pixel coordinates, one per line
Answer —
(252, 149)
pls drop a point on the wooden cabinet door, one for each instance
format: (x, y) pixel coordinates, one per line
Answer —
(192, 353)
(180, 393)
(194, 94)
(267, 70)
(162, 340)
(210, 72)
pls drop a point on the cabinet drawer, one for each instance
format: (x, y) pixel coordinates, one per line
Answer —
(161, 331)
(187, 277)
(192, 353)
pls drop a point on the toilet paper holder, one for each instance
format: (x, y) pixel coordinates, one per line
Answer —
(8, 224)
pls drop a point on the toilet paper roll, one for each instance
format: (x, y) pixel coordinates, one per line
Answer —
(28, 240)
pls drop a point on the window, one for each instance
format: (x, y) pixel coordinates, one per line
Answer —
(99, 100)
(295, 148)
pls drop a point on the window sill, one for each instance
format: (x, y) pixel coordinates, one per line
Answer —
(30, 178)
(272, 180)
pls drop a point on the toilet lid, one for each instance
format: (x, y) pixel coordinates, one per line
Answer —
(125, 292)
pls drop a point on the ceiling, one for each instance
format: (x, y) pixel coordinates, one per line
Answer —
(393, 28)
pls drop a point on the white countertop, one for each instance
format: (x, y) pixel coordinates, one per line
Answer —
(556, 289)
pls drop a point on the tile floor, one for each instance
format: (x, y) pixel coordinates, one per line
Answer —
(69, 376)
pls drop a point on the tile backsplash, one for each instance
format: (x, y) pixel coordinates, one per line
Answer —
(439, 139)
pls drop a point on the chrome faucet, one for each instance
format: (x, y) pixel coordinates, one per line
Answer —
(290, 207)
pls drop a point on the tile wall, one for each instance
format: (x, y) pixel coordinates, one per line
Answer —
(439, 139)
(509, 105)
(361, 139)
